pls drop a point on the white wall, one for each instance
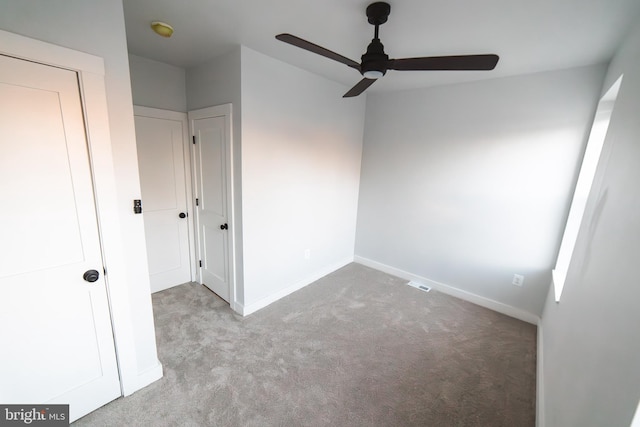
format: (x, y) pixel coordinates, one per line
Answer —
(301, 151)
(467, 184)
(591, 338)
(217, 82)
(158, 85)
(73, 24)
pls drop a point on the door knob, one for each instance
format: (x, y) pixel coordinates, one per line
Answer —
(224, 227)
(91, 275)
(182, 215)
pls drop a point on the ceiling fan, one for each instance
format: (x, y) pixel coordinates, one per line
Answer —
(375, 62)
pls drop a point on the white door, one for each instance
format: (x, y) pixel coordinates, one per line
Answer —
(212, 165)
(161, 140)
(55, 327)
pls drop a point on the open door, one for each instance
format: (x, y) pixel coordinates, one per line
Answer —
(211, 131)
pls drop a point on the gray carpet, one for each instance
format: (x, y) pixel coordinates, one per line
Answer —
(356, 348)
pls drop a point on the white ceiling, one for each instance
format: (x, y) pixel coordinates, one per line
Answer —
(529, 35)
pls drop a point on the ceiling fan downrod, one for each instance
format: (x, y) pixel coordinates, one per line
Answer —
(374, 61)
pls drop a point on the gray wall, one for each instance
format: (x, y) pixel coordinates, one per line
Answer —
(216, 82)
(301, 151)
(591, 338)
(465, 185)
(158, 85)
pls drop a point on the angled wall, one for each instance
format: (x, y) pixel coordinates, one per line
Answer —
(591, 338)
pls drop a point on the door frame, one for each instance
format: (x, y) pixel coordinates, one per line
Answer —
(224, 110)
(91, 81)
(156, 113)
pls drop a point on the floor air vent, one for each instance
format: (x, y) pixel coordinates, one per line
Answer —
(419, 286)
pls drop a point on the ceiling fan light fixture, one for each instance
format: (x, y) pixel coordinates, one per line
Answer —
(373, 74)
(162, 28)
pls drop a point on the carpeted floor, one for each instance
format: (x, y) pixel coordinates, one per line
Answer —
(356, 348)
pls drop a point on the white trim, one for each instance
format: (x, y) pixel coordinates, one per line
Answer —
(225, 110)
(253, 307)
(508, 310)
(238, 308)
(635, 422)
(96, 116)
(156, 113)
(540, 379)
(147, 377)
(49, 54)
(90, 71)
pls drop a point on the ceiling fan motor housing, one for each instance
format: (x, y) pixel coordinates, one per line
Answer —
(374, 59)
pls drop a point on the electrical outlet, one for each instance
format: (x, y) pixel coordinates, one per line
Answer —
(518, 279)
(307, 254)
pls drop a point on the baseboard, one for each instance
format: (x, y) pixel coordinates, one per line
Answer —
(453, 291)
(540, 379)
(237, 307)
(253, 307)
(145, 378)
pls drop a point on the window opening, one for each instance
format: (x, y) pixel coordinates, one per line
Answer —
(583, 186)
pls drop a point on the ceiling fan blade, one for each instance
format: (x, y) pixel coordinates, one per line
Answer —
(462, 62)
(360, 87)
(303, 44)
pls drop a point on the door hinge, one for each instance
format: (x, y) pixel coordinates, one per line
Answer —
(194, 139)
(200, 263)
(197, 202)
